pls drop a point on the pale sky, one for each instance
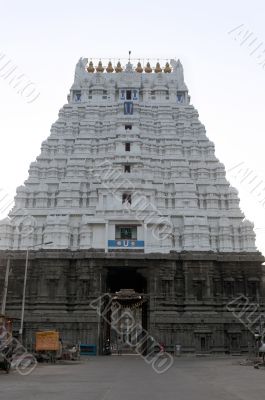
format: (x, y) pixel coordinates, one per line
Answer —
(44, 40)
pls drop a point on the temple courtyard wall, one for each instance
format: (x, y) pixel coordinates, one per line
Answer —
(187, 295)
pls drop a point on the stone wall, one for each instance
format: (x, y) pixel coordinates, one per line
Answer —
(186, 294)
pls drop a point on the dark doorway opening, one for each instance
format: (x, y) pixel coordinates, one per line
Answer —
(125, 278)
(126, 287)
(203, 343)
(128, 94)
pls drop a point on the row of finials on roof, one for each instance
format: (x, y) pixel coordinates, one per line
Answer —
(118, 68)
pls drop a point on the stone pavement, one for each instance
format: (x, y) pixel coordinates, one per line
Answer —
(130, 378)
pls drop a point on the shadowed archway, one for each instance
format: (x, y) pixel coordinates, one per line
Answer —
(125, 278)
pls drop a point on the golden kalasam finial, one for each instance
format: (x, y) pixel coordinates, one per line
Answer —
(139, 68)
(148, 68)
(158, 68)
(118, 67)
(167, 68)
(90, 68)
(110, 67)
(100, 67)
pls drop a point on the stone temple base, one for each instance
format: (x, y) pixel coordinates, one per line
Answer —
(187, 297)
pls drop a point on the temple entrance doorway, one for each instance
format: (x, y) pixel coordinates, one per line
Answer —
(125, 278)
(127, 316)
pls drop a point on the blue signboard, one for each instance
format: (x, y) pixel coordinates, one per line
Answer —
(124, 243)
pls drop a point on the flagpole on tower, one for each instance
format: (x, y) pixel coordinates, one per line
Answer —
(129, 56)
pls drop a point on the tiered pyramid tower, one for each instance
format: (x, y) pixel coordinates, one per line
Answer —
(128, 198)
(128, 150)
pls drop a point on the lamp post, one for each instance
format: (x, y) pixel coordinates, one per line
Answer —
(24, 288)
(99, 318)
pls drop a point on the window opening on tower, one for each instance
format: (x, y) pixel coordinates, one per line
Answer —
(126, 198)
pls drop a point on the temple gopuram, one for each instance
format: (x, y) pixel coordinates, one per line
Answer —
(128, 198)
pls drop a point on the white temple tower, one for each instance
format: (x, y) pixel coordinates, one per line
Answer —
(134, 204)
(128, 165)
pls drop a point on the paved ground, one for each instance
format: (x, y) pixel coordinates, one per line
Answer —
(130, 378)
